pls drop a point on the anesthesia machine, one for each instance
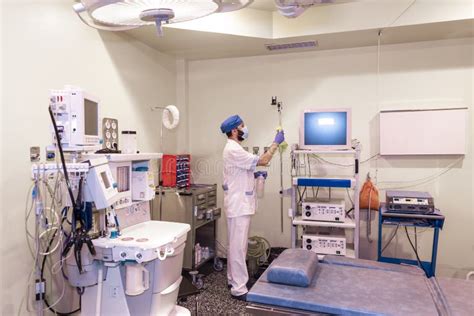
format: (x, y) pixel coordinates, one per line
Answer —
(92, 222)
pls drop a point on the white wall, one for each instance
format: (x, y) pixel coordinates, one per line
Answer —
(44, 46)
(427, 74)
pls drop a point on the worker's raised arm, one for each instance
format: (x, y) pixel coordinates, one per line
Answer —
(267, 156)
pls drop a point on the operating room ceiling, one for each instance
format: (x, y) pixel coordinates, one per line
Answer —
(343, 25)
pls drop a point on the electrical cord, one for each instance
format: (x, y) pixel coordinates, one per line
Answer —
(344, 165)
(390, 239)
(50, 307)
(416, 253)
(61, 155)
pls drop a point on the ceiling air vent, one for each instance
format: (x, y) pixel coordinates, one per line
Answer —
(309, 44)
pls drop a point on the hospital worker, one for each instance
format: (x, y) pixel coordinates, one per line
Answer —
(239, 197)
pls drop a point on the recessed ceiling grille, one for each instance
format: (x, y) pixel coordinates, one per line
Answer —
(308, 44)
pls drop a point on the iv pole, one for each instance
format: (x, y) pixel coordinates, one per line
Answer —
(279, 108)
(160, 188)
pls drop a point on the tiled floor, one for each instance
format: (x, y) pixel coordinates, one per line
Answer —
(214, 298)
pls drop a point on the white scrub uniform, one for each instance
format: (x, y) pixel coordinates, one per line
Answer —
(239, 205)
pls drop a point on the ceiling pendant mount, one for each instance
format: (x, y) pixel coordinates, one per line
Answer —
(158, 16)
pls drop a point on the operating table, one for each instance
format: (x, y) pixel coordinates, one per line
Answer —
(297, 284)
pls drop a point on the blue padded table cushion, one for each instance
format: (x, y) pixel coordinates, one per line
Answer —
(349, 290)
(293, 267)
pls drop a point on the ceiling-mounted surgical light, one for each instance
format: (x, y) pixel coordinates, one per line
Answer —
(120, 15)
(294, 8)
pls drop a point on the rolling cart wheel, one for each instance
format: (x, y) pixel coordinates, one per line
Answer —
(218, 265)
(199, 284)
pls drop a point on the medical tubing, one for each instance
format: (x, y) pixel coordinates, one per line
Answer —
(42, 275)
(61, 154)
(260, 248)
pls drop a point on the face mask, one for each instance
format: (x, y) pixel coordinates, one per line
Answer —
(243, 133)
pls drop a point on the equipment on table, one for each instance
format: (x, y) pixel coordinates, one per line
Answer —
(334, 244)
(333, 210)
(345, 286)
(409, 202)
(260, 177)
(77, 117)
(129, 142)
(433, 220)
(176, 171)
(110, 134)
(325, 129)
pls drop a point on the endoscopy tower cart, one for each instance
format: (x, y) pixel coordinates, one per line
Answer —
(316, 181)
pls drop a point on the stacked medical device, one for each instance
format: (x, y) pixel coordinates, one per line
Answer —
(318, 200)
(92, 221)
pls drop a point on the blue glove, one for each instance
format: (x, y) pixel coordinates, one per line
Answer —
(280, 137)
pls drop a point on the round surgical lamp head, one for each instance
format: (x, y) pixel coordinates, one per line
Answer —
(119, 15)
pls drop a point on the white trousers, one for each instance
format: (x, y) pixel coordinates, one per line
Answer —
(237, 235)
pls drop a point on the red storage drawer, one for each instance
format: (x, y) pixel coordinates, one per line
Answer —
(176, 171)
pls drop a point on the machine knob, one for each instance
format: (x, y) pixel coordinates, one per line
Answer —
(308, 241)
(308, 214)
(139, 255)
(307, 207)
(123, 254)
(309, 247)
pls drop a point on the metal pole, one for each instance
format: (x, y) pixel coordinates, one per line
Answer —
(281, 172)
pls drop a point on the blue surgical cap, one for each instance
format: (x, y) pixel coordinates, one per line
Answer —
(230, 123)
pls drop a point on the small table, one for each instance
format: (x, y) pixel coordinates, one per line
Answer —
(434, 220)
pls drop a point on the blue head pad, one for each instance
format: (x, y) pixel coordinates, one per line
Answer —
(295, 267)
(230, 123)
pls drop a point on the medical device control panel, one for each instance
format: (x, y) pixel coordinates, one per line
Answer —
(409, 202)
(325, 244)
(324, 210)
(77, 117)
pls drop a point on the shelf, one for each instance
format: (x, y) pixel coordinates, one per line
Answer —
(126, 157)
(348, 223)
(202, 262)
(329, 152)
(199, 222)
(330, 182)
(350, 252)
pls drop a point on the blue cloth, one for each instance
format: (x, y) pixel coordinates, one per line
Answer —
(293, 267)
(230, 123)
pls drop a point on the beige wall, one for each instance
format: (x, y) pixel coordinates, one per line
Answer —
(427, 74)
(45, 46)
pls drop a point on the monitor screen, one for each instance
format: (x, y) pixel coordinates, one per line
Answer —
(91, 118)
(326, 129)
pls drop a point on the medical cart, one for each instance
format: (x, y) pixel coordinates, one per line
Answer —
(434, 220)
(309, 181)
(196, 206)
